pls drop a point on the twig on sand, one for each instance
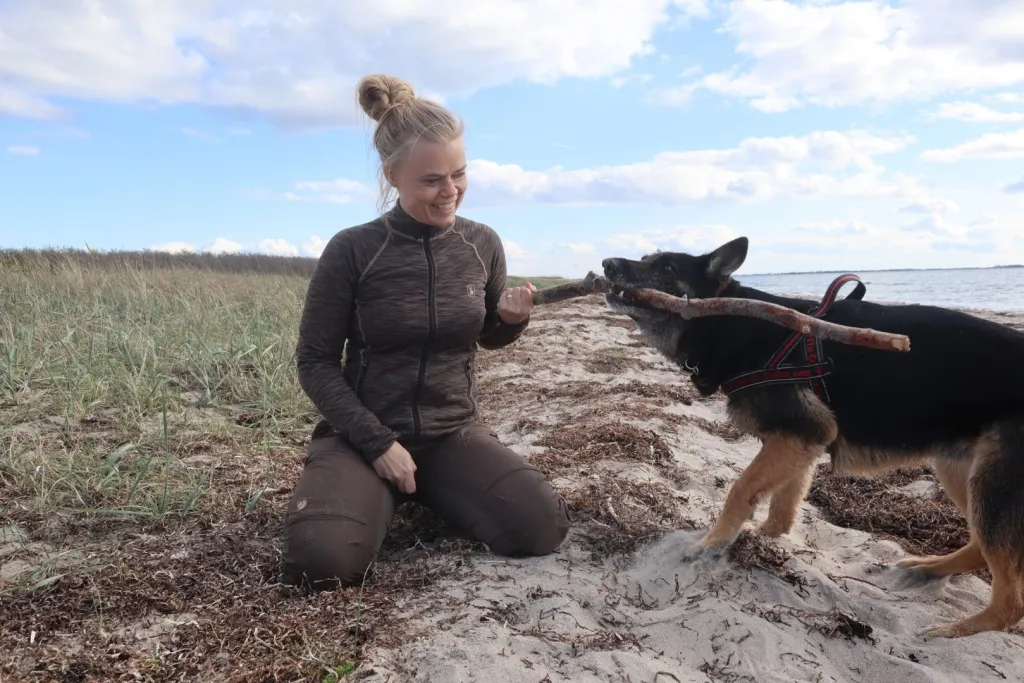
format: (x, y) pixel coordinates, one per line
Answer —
(699, 308)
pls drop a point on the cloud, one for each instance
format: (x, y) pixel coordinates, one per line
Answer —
(580, 248)
(514, 251)
(222, 245)
(988, 146)
(278, 247)
(1014, 188)
(694, 239)
(175, 247)
(822, 163)
(23, 151)
(930, 206)
(971, 112)
(297, 63)
(836, 54)
(314, 246)
(338, 191)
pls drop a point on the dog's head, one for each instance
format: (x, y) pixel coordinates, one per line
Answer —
(675, 273)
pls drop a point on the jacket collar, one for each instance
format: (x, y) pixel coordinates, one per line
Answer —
(401, 222)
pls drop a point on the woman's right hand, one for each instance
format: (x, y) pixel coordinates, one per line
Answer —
(396, 466)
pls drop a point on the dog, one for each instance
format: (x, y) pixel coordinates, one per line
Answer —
(955, 399)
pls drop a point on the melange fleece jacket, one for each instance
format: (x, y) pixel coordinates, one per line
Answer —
(412, 302)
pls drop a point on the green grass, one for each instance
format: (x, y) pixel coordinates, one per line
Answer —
(151, 428)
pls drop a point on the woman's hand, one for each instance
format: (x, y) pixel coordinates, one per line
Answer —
(516, 304)
(396, 466)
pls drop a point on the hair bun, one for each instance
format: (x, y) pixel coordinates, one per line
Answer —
(379, 92)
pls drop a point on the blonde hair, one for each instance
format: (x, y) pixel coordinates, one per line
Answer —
(402, 119)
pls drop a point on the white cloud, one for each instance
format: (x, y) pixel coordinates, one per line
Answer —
(694, 239)
(988, 146)
(175, 247)
(514, 251)
(23, 151)
(833, 54)
(338, 191)
(1010, 97)
(222, 245)
(972, 112)
(314, 246)
(1014, 188)
(620, 81)
(297, 62)
(822, 163)
(278, 247)
(930, 206)
(581, 247)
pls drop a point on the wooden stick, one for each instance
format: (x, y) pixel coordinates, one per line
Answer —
(699, 308)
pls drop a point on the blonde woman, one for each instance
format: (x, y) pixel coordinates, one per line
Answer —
(409, 296)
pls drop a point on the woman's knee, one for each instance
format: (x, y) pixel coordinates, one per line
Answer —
(324, 558)
(537, 519)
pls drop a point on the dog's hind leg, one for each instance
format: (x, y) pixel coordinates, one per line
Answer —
(782, 461)
(785, 504)
(953, 474)
(996, 517)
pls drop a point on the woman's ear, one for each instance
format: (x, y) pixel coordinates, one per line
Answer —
(390, 175)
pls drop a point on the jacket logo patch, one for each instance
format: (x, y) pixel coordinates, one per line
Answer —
(471, 290)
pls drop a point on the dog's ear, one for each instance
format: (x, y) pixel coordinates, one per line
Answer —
(724, 261)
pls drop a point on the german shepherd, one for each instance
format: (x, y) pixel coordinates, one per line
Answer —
(956, 399)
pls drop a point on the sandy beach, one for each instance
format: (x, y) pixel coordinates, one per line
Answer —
(651, 460)
(642, 460)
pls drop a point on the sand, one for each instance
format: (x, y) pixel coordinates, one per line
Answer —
(644, 464)
(824, 603)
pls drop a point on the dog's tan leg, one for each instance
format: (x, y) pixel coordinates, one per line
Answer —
(786, 504)
(780, 462)
(1005, 607)
(966, 559)
(953, 475)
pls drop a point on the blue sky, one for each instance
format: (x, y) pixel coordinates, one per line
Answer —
(835, 135)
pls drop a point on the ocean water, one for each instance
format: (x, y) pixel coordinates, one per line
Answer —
(992, 289)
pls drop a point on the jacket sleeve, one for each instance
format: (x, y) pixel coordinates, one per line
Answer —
(323, 330)
(496, 333)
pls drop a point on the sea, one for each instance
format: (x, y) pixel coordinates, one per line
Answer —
(989, 289)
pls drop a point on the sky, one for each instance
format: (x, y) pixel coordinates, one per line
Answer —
(834, 135)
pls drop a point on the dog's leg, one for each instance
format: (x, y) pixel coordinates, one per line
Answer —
(994, 513)
(1005, 607)
(953, 476)
(781, 461)
(786, 503)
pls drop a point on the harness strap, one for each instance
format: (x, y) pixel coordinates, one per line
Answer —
(815, 369)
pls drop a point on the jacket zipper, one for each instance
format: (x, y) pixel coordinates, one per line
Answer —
(417, 424)
(470, 377)
(363, 363)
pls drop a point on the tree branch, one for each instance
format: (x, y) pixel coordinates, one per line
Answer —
(699, 308)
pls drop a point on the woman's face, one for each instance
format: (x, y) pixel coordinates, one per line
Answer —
(431, 181)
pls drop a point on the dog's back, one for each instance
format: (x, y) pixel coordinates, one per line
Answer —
(961, 374)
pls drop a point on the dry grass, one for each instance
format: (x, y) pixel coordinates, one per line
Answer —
(151, 428)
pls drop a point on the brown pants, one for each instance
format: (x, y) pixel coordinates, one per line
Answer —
(341, 509)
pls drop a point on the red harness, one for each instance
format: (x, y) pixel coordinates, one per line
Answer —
(815, 367)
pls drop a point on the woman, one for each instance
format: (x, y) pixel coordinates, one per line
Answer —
(409, 296)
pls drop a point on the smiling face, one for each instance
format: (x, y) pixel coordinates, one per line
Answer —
(431, 181)
(675, 273)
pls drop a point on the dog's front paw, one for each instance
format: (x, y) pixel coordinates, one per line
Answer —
(708, 546)
(937, 631)
(914, 562)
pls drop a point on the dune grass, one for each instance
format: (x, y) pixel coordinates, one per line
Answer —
(151, 429)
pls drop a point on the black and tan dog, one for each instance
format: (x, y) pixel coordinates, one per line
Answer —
(956, 399)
